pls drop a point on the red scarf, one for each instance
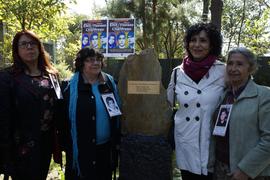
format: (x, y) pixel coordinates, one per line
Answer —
(197, 69)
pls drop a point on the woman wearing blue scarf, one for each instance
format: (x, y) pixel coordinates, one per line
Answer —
(92, 135)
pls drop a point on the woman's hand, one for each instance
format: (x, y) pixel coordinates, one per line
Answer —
(239, 175)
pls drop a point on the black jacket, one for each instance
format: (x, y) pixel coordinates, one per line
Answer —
(86, 131)
(20, 128)
(6, 113)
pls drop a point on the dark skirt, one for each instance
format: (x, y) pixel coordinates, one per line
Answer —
(33, 159)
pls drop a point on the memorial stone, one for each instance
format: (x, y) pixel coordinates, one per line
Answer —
(145, 151)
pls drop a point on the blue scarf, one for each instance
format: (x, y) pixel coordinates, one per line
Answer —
(72, 116)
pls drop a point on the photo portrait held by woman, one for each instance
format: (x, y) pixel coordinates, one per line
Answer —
(29, 91)
(222, 120)
(199, 85)
(111, 105)
(244, 152)
(92, 137)
(223, 117)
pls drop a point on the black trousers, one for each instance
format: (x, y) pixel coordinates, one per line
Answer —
(186, 175)
(103, 166)
(104, 162)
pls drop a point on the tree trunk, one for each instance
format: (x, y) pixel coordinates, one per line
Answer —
(1, 40)
(144, 25)
(154, 25)
(205, 10)
(242, 22)
(216, 12)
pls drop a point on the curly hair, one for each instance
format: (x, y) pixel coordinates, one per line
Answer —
(83, 54)
(213, 34)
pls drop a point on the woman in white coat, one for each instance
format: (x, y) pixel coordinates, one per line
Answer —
(199, 84)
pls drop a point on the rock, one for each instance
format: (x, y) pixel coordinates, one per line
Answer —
(146, 114)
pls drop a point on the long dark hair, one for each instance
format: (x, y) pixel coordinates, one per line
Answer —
(43, 59)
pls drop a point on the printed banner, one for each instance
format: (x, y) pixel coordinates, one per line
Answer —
(94, 34)
(113, 37)
(121, 37)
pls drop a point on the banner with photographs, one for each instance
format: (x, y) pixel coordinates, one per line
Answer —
(113, 37)
(94, 34)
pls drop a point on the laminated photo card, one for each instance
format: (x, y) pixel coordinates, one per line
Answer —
(111, 104)
(222, 120)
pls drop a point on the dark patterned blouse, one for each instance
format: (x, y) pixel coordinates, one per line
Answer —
(44, 86)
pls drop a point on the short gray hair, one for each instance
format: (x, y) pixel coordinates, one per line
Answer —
(249, 55)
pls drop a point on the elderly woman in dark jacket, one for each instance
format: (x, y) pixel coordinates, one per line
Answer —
(92, 135)
(28, 91)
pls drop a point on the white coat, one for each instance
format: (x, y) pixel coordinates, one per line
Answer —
(192, 120)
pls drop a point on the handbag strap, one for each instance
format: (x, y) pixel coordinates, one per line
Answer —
(174, 94)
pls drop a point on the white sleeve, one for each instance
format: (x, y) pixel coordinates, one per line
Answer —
(170, 89)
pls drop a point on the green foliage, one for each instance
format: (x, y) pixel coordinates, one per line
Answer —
(118, 9)
(55, 170)
(6, 49)
(257, 33)
(246, 23)
(45, 17)
(70, 43)
(48, 19)
(63, 70)
(31, 14)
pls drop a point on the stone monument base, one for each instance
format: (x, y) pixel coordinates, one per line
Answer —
(145, 158)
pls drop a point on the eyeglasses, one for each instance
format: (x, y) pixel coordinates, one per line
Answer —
(25, 44)
(93, 59)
